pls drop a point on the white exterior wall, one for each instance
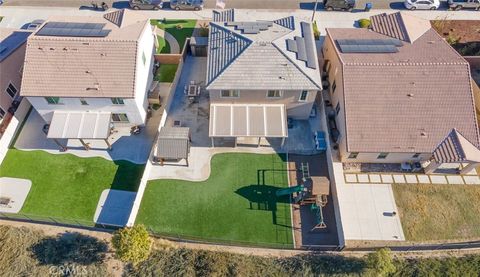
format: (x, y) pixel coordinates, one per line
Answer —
(135, 108)
(144, 72)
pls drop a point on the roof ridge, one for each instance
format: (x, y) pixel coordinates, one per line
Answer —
(406, 63)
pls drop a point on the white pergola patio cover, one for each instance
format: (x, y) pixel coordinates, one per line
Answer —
(248, 120)
(79, 125)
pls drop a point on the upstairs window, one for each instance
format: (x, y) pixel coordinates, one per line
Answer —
(353, 155)
(2, 113)
(83, 101)
(382, 156)
(230, 93)
(416, 155)
(117, 101)
(53, 100)
(11, 90)
(334, 86)
(337, 108)
(274, 94)
(303, 96)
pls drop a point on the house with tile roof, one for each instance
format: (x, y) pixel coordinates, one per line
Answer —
(399, 93)
(259, 73)
(83, 71)
(12, 54)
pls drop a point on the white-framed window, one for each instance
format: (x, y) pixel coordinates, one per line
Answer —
(416, 155)
(11, 90)
(2, 113)
(119, 117)
(382, 156)
(144, 58)
(334, 86)
(353, 155)
(229, 93)
(303, 96)
(53, 100)
(274, 94)
(117, 101)
(83, 101)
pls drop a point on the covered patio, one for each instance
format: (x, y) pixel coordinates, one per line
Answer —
(81, 126)
(247, 121)
(455, 148)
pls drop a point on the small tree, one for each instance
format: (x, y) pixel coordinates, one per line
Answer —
(381, 263)
(132, 244)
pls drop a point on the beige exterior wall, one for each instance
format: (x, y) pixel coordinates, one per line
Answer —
(391, 158)
(295, 109)
(10, 71)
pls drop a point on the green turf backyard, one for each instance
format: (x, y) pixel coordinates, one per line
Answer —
(438, 212)
(166, 73)
(171, 26)
(237, 203)
(66, 186)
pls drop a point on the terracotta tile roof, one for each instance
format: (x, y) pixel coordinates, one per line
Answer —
(84, 66)
(456, 148)
(405, 101)
(400, 25)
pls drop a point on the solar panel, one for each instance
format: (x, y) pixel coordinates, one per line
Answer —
(301, 51)
(292, 45)
(73, 29)
(309, 45)
(369, 45)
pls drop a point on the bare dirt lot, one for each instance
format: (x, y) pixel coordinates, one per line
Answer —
(463, 35)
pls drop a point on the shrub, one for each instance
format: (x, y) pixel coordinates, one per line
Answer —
(316, 32)
(133, 244)
(364, 23)
(203, 32)
(381, 262)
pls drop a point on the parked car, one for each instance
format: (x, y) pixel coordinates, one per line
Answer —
(146, 4)
(422, 4)
(339, 5)
(467, 4)
(35, 24)
(186, 4)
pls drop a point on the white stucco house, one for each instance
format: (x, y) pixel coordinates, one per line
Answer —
(81, 71)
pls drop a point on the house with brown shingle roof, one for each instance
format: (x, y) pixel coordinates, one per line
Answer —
(86, 65)
(397, 91)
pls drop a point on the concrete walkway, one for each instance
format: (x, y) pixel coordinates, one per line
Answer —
(172, 41)
(400, 178)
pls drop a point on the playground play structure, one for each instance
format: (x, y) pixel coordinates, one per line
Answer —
(313, 192)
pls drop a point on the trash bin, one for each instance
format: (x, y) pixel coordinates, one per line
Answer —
(368, 7)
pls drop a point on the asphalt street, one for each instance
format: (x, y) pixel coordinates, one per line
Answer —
(209, 4)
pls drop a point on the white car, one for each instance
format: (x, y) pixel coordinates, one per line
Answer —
(422, 4)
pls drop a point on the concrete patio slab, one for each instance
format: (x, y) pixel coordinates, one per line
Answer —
(411, 179)
(114, 207)
(14, 191)
(387, 178)
(472, 180)
(363, 178)
(368, 212)
(351, 178)
(438, 179)
(375, 178)
(423, 179)
(133, 148)
(455, 180)
(399, 179)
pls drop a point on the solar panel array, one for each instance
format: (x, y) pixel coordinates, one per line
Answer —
(304, 46)
(369, 45)
(73, 29)
(250, 27)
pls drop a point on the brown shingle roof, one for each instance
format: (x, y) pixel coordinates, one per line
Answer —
(405, 101)
(77, 66)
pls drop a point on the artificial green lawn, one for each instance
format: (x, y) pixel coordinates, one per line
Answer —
(181, 34)
(166, 73)
(163, 46)
(237, 203)
(66, 186)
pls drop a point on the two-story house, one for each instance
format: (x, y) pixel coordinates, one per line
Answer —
(259, 73)
(90, 68)
(400, 93)
(12, 54)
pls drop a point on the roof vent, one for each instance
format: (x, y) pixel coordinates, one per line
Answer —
(423, 134)
(410, 95)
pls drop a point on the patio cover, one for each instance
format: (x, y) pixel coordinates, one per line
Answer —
(248, 120)
(79, 125)
(456, 148)
(173, 143)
